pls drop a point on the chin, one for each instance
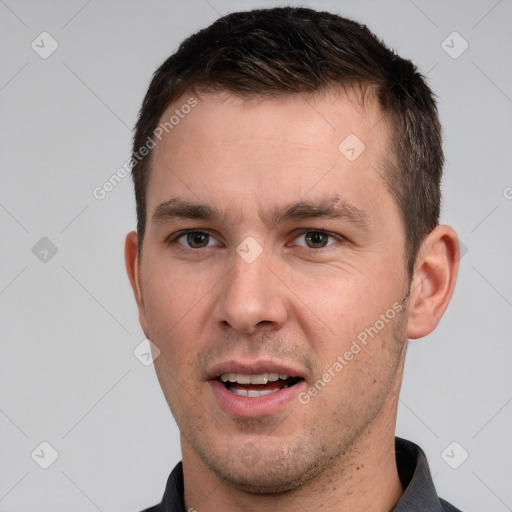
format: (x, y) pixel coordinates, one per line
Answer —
(272, 472)
(257, 481)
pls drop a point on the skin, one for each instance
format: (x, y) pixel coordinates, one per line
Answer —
(298, 304)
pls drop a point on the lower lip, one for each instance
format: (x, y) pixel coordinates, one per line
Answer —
(246, 407)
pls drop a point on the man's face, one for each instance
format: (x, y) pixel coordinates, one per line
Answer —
(271, 252)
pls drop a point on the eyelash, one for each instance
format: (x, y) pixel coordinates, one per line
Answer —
(174, 239)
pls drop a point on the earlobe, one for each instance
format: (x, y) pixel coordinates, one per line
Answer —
(434, 280)
(132, 263)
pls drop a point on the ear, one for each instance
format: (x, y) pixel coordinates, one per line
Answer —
(433, 282)
(132, 262)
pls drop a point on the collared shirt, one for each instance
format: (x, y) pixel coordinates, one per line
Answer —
(419, 492)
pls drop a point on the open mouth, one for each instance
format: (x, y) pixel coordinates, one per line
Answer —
(252, 386)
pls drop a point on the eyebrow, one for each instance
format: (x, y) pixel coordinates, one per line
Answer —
(333, 208)
(178, 208)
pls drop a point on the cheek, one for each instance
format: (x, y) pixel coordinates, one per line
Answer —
(336, 309)
(169, 292)
(173, 305)
(359, 370)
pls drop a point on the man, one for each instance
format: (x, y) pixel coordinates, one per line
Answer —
(287, 173)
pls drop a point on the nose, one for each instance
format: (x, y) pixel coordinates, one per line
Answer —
(252, 297)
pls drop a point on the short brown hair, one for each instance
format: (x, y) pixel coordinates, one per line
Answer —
(287, 50)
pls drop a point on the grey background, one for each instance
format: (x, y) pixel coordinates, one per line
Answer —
(68, 374)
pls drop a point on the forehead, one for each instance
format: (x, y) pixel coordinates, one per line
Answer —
(314, 119)
(238, 152)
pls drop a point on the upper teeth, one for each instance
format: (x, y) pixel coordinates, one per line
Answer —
(261, 378)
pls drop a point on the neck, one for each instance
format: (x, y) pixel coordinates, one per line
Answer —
(365, 477)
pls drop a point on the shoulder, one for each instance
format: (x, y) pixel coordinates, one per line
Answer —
(448, 507)
(414, 472)
(172, 500)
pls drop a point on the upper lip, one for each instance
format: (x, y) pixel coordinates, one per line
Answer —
(252, 368)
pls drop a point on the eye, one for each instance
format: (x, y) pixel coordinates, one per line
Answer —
(315, 239)
(195, 240)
